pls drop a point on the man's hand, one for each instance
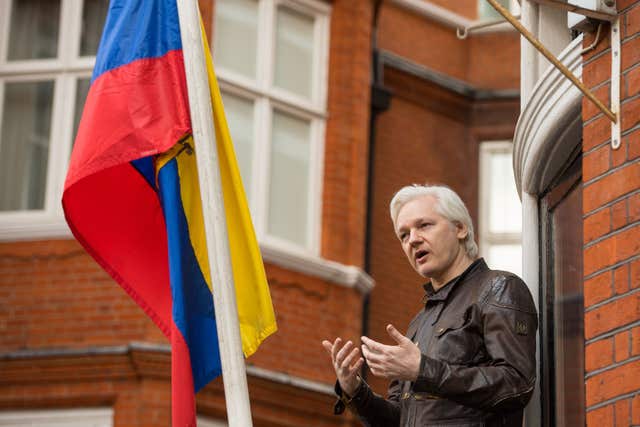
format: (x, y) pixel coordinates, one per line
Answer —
(394, 362)
(346, 363)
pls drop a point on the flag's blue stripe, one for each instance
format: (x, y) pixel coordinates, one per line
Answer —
(193, 311)
(147, 169)
(137, 29)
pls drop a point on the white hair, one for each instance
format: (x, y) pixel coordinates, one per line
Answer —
(448, 204)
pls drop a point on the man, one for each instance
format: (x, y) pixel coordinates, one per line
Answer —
(468, 357)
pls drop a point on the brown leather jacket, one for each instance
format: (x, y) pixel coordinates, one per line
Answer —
(477, 335)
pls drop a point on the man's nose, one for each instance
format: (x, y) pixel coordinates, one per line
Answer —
(414, 237)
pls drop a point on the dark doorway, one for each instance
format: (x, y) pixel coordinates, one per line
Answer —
(562, 306)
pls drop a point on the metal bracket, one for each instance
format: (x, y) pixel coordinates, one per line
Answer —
(614, 113)
(595, 14)
(615, 83)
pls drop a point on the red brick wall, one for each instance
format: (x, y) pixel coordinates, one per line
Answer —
(611, 208)
(347, 134)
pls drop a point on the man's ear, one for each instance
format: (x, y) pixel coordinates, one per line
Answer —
(461, 230)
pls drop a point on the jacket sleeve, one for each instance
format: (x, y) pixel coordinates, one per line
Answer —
(506, 380)
(372, 410)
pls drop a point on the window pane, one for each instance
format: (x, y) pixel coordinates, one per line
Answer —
(486, 11)
(24, 145)
(289, 183)
(506, 257)
(94, 13)
(34, 29)
(81, 96)
(504, 208)
(234, 45)
(240, 118)
(294, 52)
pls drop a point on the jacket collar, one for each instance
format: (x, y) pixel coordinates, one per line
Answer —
(443, 293)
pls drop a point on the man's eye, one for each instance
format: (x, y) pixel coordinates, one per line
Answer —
(425, 225)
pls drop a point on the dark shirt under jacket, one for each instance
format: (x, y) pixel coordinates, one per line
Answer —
(477, 335)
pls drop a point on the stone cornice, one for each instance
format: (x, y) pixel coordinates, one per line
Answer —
(551, 117)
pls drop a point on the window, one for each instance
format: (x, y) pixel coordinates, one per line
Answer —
(271, 60)
(487, 12)
(94, 417)
(47, 50)
(500, 227)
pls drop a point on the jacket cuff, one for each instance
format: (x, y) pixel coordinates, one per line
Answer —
(430, 375)
(344, 400)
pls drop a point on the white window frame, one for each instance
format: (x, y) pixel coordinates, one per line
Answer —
(486, 238)
(267, 98)
(86, 417)
(64, 71)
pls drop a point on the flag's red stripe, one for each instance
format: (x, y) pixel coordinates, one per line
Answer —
(182, 392)
(116, 216)
(133, 111)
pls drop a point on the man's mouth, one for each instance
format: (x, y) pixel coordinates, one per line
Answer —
(421, 256)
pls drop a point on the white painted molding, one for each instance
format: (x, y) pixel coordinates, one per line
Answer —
(447, 18)
(434, 12)
(305, 263)
(36, 228)
(80, 417)
(551, 117)
(268, 374)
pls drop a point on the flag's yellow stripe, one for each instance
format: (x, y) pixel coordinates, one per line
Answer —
(255, 310)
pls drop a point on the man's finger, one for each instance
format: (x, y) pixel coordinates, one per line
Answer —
(327, 346)
(371, 356)
(349, 359)
(343, 352)
(356, 366)
(335, 348)
(397, 336)
(373, 345)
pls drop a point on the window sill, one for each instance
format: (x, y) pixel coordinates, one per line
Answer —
(37, 227)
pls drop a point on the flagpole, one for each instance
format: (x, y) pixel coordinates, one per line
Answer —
(224, 298)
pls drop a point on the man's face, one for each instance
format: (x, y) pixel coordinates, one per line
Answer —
(431, 242)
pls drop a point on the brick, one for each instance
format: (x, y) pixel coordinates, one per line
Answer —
(597, 289)
(632, 22)
(595, 133)
(632, 82)
(635, 341)
(619, 215)
(621, 5)
(635, 410)
(610, 187)
(622, 350)
(613, 315)
(596, 163)
(630, 53)
(611, 250)
(598, 354)
(623, 413)
(597, 225)
(635, 274)
(634, 208)
(630, 114)
(597, 71)
(621, 279)
(601, 417)
(633, 145)
(615, 382)
(589, 109)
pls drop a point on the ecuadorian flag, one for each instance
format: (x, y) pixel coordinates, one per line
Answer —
(132, 197)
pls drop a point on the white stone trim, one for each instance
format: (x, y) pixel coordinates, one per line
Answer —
(31, 227)
(86, 417)
(306, 263)
(448, 18)
(551, 115)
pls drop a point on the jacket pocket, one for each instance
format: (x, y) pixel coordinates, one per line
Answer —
(456, 340)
